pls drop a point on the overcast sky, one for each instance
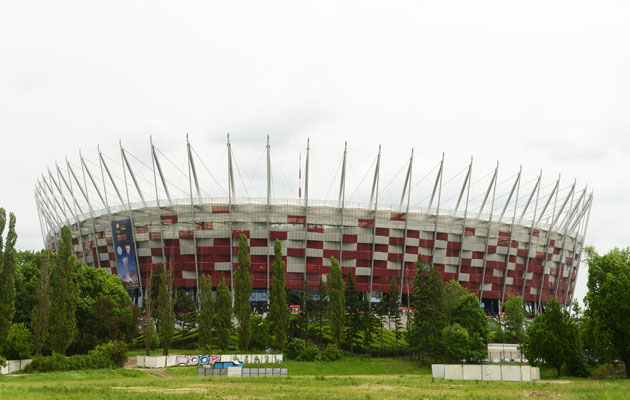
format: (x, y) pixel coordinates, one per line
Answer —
(541, 84)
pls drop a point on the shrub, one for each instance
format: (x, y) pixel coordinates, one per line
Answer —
(108, 355)
(310, 353)
(19, 343)
(332, 352)
(295, 348)
(3, 362)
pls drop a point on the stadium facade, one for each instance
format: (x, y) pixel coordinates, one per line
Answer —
(529, 245)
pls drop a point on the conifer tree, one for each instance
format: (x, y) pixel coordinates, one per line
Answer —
(7, 275)
(337, 304)
(41, 311)
(354, 309)
(63, 299)
(206, 314)
(242, 292)
(278, 309)
(147, 326)
(429, 320)
(166, 308)
(393, 305)
(223, 315)
(321, 303)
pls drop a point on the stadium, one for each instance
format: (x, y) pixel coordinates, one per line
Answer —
(495, 237)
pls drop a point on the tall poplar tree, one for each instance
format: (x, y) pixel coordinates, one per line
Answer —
(337, 304)
(147, 326)
(7, 275)
(41, 311)
(278, 309)
(428, 319)
(355, 316)
(165, 307)
(206, 314)
(63, 299)
(242, 292)
(224, 315)
(322, 302)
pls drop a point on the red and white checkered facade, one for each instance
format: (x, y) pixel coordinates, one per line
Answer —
(497, 258)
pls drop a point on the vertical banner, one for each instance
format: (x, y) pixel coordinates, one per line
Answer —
(125, 252)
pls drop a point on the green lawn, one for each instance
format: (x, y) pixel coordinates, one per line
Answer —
(349, 378)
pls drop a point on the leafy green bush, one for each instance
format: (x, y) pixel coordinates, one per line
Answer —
(332, 352)
(295, 348)
(3, 362)
(19, 343)
(310, 353)
(108, 355)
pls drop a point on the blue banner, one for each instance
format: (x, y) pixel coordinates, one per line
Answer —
(125, 252)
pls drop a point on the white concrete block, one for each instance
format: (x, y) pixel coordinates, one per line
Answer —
(491, 372)
(453, 371)
(234, 371)
(511, 373)
(437, 370)
(140, 361)
(526, 373)
(472, 372)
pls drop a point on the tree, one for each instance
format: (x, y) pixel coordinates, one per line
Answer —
(148, 327)
(185, 310)
(63, 299)
(206, 314)
(166, 308)
(514, 309)
(469, 315)
(548, 337)
(278, 309)
(321, 304)
(7, 275)
(456, 343)
(19, 343)
(41, 311)
(337, 303)
(306, 305)
(223, 315)
(607, 303)
(26, 281)
(354, 313)
(242, 292)
(428, 315)
(393, 306)
(453, 292)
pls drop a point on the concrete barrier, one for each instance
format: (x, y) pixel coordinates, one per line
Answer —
(453, 371)
(486, 372)
(193, 360)
(437, 370)
(14, 366)
(472, 372)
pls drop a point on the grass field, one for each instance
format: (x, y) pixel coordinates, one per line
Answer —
(349, 378)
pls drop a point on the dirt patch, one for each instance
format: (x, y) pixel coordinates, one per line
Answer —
(156, 372)
(561, 382)
(161, 390)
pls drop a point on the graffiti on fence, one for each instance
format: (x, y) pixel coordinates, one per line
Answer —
(192, 360)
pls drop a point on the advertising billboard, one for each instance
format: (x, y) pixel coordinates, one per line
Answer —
(125, 252)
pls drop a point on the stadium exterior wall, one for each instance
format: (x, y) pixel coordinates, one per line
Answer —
(491, 259)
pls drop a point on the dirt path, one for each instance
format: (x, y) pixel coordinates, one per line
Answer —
(132, 362)
(156, 372)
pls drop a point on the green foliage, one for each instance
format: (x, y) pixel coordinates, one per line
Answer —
(7, 275)
(608, 304)
(453, 292)
(295, 348)
(165, 307)
(185, 310)
(470, 316)
(306, 309)
(242, 292)
(41, 311)
(19, 343)
(514, 309)
(392, 306)
(298, 350)
(278, 309)
(223, 315)
(3, 362)
(109, 355)
(456, 343)
(102, 300)
(26, 282)
(354, 313)
(548, 337)
(428, 318)
(336, 305)
(206, 314)
(259, 339)
(332, 352)
(148, 327)
(63, 299)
